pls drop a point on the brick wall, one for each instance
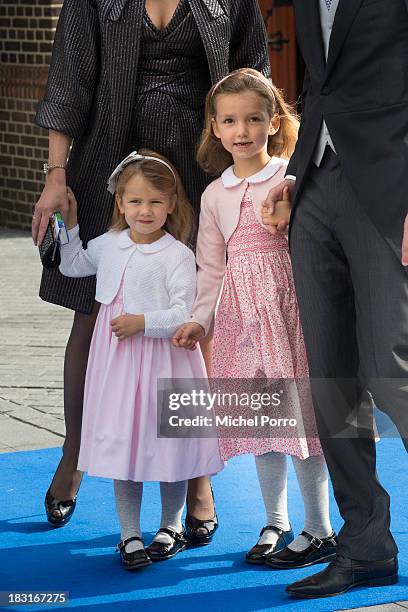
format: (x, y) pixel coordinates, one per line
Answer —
(26, 35)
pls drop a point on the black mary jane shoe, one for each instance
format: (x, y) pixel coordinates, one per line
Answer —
(134, 560)
(158, 551)
(193, 526)
(64, 508)
(320, 550)
(259, 552)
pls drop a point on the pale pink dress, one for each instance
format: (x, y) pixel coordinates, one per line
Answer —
(119, 426)
(257, 330)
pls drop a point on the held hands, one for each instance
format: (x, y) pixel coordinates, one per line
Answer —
(188, 335)
(54, 197)
(276, 213)
(70, 217)
(276, 209)
(127, 325)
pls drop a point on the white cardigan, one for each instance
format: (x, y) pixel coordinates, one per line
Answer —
(159, 279)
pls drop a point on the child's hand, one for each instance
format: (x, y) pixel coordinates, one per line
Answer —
(127, 325)
(278, 220)
(70, 217)
(188, 335)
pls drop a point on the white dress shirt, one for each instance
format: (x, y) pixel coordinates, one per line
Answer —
(326, 22)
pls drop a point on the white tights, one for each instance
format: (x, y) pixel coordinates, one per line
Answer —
(128, 497)
(313, 482)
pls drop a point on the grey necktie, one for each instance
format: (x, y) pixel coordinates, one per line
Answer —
(328, 4)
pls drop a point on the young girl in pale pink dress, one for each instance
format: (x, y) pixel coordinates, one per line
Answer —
(146, 281)
(257, 329)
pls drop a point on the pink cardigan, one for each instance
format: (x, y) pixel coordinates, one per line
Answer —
(219, 216)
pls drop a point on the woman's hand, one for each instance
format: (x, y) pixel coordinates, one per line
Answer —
(53, 198)
(71, 217)
(127, 325)
(188, 335)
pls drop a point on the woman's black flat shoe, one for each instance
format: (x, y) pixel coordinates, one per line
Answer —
(64, 509)
(320, 550)
(158, 551)
(134, 560)
(260, 552)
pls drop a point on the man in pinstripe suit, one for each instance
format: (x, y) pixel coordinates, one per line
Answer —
(349, 247)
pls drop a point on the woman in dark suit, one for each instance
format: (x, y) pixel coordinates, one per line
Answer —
(126, 74)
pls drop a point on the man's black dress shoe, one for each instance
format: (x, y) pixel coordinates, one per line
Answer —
(259, 552)
(343, 574)
(134, 560)
(320, 550)
(158, 551)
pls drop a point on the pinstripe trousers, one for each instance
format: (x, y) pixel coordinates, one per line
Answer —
(353, 300)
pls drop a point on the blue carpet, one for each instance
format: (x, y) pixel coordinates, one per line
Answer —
(80, 558)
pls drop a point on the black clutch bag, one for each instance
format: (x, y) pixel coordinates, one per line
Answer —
(49, 248)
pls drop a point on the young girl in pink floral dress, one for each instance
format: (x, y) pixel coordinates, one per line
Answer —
(257, 329)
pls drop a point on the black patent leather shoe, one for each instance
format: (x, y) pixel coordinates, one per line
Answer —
(343, 574)
(201, 532)
(59, 512)
(194, 530)
(320, 550)
(259, 552)
(134, 560)
(158, 551)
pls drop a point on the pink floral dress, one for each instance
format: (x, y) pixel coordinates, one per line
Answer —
(258, 332)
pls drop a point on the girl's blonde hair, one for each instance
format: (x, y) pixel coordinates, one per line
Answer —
(179, 223)
(211, 155)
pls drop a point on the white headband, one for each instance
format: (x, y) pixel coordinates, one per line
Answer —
(132, 157)
(253, 76)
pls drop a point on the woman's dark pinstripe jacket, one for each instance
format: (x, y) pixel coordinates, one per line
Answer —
(91, 84)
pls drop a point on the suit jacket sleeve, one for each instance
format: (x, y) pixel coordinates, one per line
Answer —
(74, 70)
(211, 262)
(292, 166)
(248, 43)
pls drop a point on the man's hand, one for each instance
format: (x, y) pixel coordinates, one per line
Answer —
(278, 200)
(188, 335)
(127, 325)
(404, 259)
